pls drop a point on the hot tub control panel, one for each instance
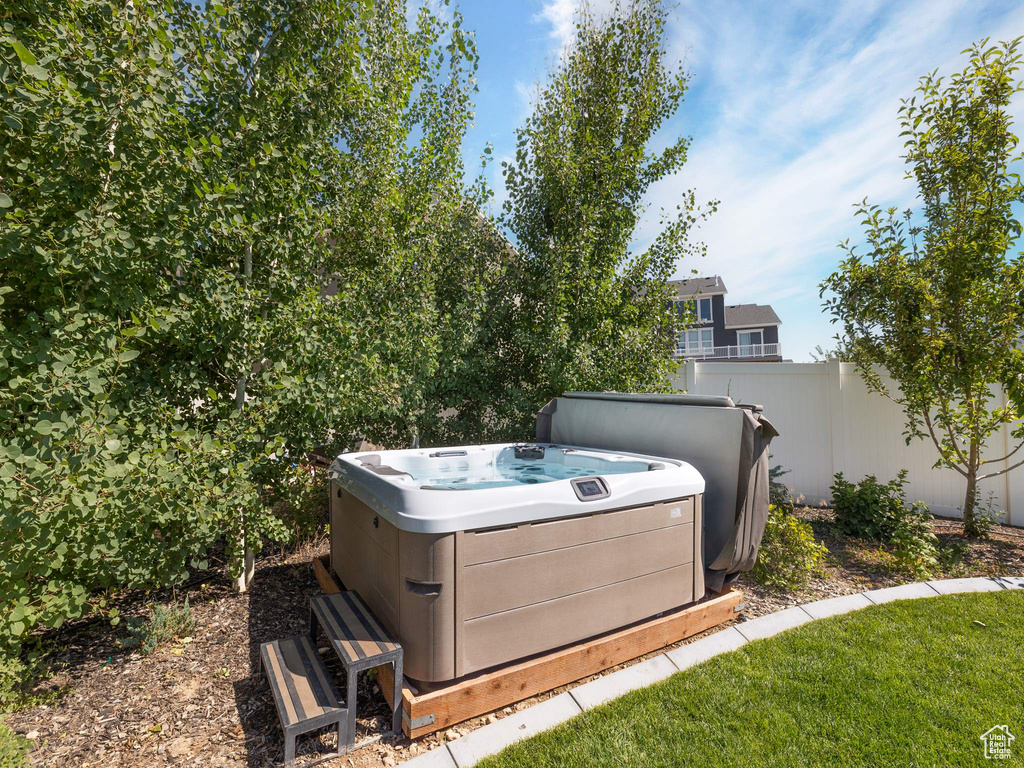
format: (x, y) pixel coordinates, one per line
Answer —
(590, 488)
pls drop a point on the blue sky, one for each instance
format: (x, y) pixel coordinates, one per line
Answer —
(792, 111)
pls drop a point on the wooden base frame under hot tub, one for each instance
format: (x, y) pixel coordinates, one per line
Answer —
(424, 713)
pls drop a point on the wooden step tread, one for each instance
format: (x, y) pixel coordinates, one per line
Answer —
(300, 682)
(354, 632)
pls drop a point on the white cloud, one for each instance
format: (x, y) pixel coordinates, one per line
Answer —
(794, 118)
(560, 14)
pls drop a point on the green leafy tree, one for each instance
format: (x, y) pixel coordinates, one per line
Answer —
(583, 310)
(406, 236)
(211, 245)
(314, 181)
(234, 233)
(939, 304)
(102, 483)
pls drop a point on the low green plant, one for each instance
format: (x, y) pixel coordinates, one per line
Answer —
(13, 748)
(870, 509)
(879, 512)
(20, 675)
(778, 492)
(986, 514)
(951, 556)
(915, 549)
(789, 556)
(15, 675)
(166, 623)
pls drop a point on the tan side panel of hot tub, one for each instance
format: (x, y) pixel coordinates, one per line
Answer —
(528, 538)
(348, 543)
(365, 555)
(536, 586)
(336, 525)
(427, 605)
(515, 582)
(502, 637)
(380, 531)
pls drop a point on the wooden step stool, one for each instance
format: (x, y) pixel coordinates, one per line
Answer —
(304, 694)
(361, 643)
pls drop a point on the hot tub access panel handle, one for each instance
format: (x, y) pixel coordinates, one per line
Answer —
(423, 588)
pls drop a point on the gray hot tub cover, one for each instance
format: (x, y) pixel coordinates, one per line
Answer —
(727, 443)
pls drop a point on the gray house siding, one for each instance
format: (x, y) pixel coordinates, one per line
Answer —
(730, 337)
(717, 323)
(718, 316)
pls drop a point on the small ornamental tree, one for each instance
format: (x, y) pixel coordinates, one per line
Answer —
(938, 304)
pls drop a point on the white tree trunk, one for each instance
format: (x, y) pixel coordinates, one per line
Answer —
(247, 566)
(250, 565)
(241, 583)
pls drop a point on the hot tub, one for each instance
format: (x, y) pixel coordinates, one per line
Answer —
(475, 556)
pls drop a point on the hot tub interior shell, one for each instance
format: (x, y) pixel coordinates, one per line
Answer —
(466, 601)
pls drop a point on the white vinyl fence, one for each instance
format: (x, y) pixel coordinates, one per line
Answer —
(829, 422)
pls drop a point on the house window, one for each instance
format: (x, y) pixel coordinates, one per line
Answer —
(696, 342)
(698, 309)
(704, 310)
(751, 342)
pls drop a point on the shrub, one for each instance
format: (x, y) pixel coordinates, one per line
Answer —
(14, 678)
(879, 512)
(778, 492)
(20, 673)
(13, 748)
(789, 556)
(870, 509)
(915, 549)
(165, 624)
(979, 525)
(301, 501)
(951, 556)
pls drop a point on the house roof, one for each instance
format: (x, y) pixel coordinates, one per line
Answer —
(750, 316)
(705, 286)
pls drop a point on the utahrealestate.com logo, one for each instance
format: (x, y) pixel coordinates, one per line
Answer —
(998, 741)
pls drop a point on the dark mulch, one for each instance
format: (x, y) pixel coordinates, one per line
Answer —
(197, 702)
(855, 565)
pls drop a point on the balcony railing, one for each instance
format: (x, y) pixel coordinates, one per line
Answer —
(735, 352)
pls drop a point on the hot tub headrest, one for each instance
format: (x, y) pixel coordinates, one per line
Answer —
(385, 469)
(371, 461)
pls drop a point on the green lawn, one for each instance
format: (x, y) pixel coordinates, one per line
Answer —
(909, 683)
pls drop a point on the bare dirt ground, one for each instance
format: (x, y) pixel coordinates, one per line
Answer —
(198, 702)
